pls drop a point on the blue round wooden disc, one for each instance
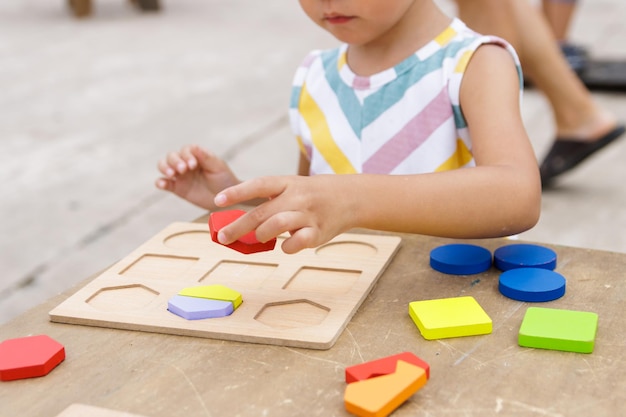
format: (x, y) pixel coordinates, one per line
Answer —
(532, 284)
(524, 255)
(460, 259)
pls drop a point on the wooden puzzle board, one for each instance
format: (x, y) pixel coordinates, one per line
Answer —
(82, 410)
(302, 300)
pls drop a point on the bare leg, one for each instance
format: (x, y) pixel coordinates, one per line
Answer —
(576, 114)
(559, 15)
(582, 127)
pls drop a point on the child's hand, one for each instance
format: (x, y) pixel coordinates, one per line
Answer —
(195, 175)
(312, 209)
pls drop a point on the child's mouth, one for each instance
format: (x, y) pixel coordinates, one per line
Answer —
(338, 19)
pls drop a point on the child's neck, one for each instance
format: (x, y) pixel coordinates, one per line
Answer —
(398, 44)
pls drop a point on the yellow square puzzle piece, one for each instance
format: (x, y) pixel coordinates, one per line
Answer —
(450, 317)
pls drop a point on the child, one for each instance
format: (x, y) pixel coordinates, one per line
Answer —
(411, 93)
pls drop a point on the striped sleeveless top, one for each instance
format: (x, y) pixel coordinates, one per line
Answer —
(403, 120)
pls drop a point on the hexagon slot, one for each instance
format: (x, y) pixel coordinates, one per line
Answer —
(240, 274)
(159, 267)
(121, 298)
(347, 248)
(323, 280)
(292, 314)
(189, 240)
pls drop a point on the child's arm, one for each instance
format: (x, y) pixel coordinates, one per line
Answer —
(500, 196)
(195, 175)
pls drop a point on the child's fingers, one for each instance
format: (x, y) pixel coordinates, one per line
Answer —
(300, 239)
(257, 188)
(243, 225)
(269, 221)
(302, 235)
(176, 162)
(165, 169)
(264, 187)
(273, 224)
(252, 220)
(187, 155)
(164, 184)
(208, 161)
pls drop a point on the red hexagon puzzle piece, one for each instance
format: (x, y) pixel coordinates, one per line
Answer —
(246, 244)
(28, 357)
(383, 366)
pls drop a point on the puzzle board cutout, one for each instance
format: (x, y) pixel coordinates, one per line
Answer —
(302, 300)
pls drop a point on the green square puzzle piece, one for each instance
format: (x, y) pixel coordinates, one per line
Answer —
(450, 317)
(567, 330)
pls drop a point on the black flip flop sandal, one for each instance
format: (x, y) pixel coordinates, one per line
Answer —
(565, 154)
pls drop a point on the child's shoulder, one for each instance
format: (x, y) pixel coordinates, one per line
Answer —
(466, 38)
(321, 54)
(316, 63)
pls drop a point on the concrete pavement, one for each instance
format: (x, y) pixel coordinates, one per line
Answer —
(88, 107)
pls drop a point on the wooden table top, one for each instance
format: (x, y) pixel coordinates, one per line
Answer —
(162, 375)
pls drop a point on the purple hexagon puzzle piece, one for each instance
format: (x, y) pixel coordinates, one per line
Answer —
(193, 308)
